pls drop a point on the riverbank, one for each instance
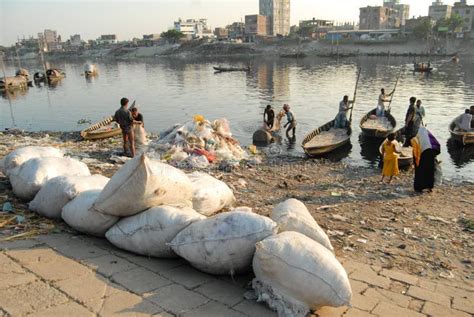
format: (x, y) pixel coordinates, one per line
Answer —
(285, 47)
(383, 225)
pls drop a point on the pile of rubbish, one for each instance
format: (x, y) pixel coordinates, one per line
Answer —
(198, 143)
(154, 209)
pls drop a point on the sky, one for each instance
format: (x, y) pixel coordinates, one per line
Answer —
(133, 18)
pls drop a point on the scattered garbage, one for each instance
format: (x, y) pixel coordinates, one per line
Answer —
(225, 243)
(149, 232)
(7, 207)
(292, 215)
(295, 274)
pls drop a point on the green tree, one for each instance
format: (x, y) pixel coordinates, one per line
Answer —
(455, 21)
(172, 35)
(422, 29)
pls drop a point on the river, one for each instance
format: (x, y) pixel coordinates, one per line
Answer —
(169, 91)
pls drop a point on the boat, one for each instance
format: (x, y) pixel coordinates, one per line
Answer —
(455, 59)
(461, 137)
(231, 69)
(39, 77)
(325, 139)
(106, 128)
(294, 55)
(422, 67)
(377, 127)
(13, 83)
(90, 70)
(54, 74)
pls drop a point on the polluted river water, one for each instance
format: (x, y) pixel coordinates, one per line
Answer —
(169, 91)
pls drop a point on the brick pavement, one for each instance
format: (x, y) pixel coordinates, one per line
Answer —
(75, 275)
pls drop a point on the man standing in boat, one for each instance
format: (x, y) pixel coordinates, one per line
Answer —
(341, 121)
(124, 118)
(380, 112)
(291, 121)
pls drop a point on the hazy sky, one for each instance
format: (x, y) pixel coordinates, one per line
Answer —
(133, 18)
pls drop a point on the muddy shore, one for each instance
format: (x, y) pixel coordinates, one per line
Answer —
(384, 225)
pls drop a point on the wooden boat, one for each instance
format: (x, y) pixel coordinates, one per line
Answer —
(422, 68)
(231, 69)
(293, 55)
(106, 128)
(461, 137)
(13, 83)
(39, 77)
(54, 74)
(375, 132)
(313, 148)
(455, 59)
(90, 70)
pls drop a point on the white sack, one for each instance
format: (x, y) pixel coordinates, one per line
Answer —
(294, 274)
(225, 243)
(149, 232)
(28, 178)
(292, 215)
(210, 195)
(58, 191)
(78, 215)
(23, 154)
(142, 183)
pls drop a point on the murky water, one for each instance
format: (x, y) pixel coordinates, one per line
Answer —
(170, 91)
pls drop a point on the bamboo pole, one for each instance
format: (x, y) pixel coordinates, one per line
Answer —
(355, 94)
(393, 92)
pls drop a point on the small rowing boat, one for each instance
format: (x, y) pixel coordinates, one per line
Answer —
(231, 69)
(325, 139)
(106, 128)
(377, 127)
(422, 67)
(54, 74)
(461, 136)
(90, 70)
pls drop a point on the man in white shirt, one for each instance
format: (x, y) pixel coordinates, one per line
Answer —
(380, 112)
(464, 121)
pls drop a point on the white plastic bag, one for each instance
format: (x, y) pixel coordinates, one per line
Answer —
(23, 154)
(438, 175)
(149, 232)
(295, 274)
(223, 244)
(58, 191)
(142, 183)
(210, 195)
(78, 215)
(292, 215)
(28, 178)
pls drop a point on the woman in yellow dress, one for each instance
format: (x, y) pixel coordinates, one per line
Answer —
(390, 158)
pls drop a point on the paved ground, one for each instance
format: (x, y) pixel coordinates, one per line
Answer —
(68, 275)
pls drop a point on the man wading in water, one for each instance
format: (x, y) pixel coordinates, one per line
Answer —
(124, 118)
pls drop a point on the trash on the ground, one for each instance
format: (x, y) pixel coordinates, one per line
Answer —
(339, 217)
(7, 207)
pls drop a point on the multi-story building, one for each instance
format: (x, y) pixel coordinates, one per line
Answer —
(399, 14)
(315, 28)
(75, 40)
(391, 15)
(256, 25)
(466, 12)
(221, 33)
(236, 30)
(107, 39)
(438, 10)
(193, 28)
(278, 12)
(51, 41)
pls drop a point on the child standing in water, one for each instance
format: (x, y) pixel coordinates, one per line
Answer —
(390, 158)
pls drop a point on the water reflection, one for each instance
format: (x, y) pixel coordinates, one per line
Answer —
(369, 150)
(460, 155)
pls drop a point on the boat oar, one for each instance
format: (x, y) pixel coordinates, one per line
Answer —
(355, 94)
(393, 92)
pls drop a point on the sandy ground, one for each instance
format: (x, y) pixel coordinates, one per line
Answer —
(385, 225)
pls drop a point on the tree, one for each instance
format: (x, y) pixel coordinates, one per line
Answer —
(422, 29)
(172, 35)
(455, 21)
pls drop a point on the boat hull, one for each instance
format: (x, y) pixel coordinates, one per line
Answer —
(376, 133)
(92, 132)
(315, 151)
(464, 138)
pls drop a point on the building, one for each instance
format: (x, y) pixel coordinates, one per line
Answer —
(391, 15)
(278, 12)
(107, 39)
(315, 28)
(75, 40)
(411, 24)
(221, 33)
(256, 25)
(50, 41)
(236, 30)
(439, 11)
(193, 28)
(399, 14)
(466, 12)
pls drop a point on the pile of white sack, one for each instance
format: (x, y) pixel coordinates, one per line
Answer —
(153, 209)
(198, 143)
